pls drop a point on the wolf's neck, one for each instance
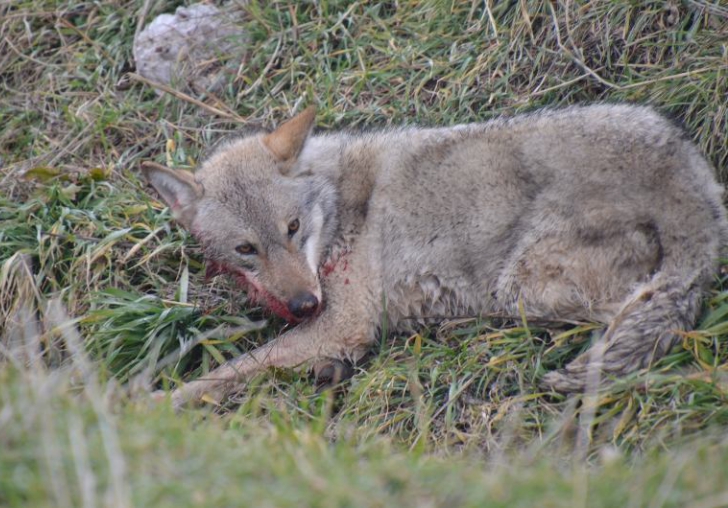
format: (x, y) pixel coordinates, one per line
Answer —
(359, 157)
(339, 155)
(351, 163)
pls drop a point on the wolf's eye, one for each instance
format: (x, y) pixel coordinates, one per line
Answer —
(293, 227)
(246, 249)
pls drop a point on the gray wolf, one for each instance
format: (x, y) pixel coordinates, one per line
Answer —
(605, 213)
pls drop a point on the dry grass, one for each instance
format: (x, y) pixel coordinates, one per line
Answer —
(80, 231)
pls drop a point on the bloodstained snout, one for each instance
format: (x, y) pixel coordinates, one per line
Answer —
(303, 305)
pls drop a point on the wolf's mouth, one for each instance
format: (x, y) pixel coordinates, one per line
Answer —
(256, 293)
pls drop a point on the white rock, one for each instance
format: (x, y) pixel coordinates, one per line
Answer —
(194, 48)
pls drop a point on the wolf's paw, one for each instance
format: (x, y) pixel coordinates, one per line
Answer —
(179, 400)
(158, 396)
(330, 372)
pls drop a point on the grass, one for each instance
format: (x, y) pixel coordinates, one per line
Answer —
(95, 277)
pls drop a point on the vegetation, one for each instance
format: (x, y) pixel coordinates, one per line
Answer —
(102, 299)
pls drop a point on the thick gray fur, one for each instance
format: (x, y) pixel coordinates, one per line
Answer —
(606, 213)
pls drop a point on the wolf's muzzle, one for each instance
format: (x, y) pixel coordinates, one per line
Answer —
(303, 305)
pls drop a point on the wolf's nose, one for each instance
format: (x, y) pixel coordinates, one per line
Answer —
(303, 305)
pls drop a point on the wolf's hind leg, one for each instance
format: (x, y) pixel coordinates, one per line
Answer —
(619, 274)
(584, 273)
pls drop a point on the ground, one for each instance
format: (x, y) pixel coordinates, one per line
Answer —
(100, 292)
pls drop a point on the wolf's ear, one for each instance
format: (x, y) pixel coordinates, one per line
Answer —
(178, 188)
(287, 140)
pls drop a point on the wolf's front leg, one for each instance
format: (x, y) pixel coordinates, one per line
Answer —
(308, 343)
(287, 351)
(344, 330)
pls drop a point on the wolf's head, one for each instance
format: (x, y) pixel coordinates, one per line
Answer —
(256, 218)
